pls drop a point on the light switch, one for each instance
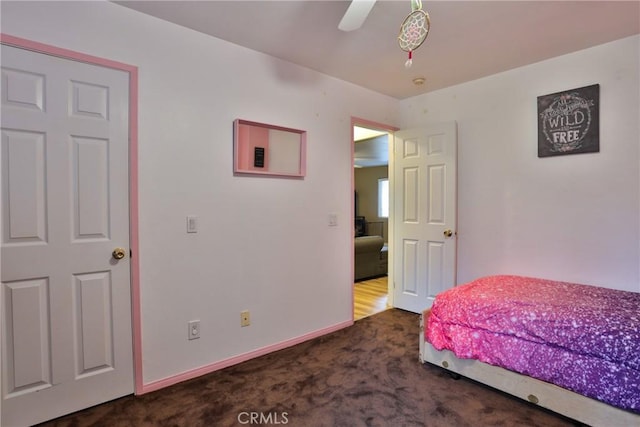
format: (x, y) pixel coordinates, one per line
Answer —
(333, 219)
(192, 224)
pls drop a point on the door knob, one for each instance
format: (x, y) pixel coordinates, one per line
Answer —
(448, 233)
(118, 253)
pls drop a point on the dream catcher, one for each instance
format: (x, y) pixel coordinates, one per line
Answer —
(414, 30)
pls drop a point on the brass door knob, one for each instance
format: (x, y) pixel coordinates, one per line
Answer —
(448, 233)
(118, 253)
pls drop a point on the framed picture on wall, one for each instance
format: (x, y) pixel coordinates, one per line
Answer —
(569, 122)
(261, 149)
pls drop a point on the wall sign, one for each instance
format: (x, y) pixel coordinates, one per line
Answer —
(569, 122)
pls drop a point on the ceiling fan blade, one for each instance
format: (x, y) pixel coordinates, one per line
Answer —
(356, 14)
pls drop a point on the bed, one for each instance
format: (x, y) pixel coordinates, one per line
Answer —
(571, 348)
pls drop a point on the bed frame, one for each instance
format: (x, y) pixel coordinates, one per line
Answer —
(576, 406)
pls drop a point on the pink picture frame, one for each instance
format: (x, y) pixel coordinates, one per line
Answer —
(269, 150)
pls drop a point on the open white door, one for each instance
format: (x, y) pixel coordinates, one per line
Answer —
(424, 214)
(66, 299)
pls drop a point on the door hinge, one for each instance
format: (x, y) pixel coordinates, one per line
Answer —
(130, 253)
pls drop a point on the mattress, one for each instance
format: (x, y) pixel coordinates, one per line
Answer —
(582, 338)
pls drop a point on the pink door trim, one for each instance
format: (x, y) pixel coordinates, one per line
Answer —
(18, 42)
(356, 121)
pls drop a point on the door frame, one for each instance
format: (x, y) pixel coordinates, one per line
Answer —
(46, 49)
(357, 121)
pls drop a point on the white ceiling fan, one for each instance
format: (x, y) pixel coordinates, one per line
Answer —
(356, 14)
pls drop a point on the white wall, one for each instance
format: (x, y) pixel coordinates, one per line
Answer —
(573, 217)
(264, 243)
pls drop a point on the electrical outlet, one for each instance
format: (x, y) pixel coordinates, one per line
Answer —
(245, 319)
(194, 329)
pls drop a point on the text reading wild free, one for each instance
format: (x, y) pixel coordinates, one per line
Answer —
(568, 122)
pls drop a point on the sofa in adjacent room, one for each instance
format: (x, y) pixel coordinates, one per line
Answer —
(367, 259)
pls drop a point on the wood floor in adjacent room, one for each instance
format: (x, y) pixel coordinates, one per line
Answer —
(370, 297)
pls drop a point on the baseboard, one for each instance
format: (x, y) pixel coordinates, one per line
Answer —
(203, 370)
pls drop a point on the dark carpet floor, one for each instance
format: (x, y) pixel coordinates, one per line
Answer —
(364, 375)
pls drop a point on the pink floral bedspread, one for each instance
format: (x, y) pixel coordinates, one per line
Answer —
(579, 337)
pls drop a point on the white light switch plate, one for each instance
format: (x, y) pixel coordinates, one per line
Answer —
(192, 224)
(333, 219)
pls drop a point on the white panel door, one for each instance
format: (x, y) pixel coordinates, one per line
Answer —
(424, 214)
(66, 301)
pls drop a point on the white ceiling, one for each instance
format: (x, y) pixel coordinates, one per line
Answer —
(360, 133)
(371, 152)
(468, 39)
(371, 147)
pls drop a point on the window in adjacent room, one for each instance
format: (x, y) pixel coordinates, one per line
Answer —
(383, 198)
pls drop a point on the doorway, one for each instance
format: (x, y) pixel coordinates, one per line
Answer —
(371, 202)
(422, 237)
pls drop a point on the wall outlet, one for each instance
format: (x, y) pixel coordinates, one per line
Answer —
(333, 219)
(245, 319)
(194, 329)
